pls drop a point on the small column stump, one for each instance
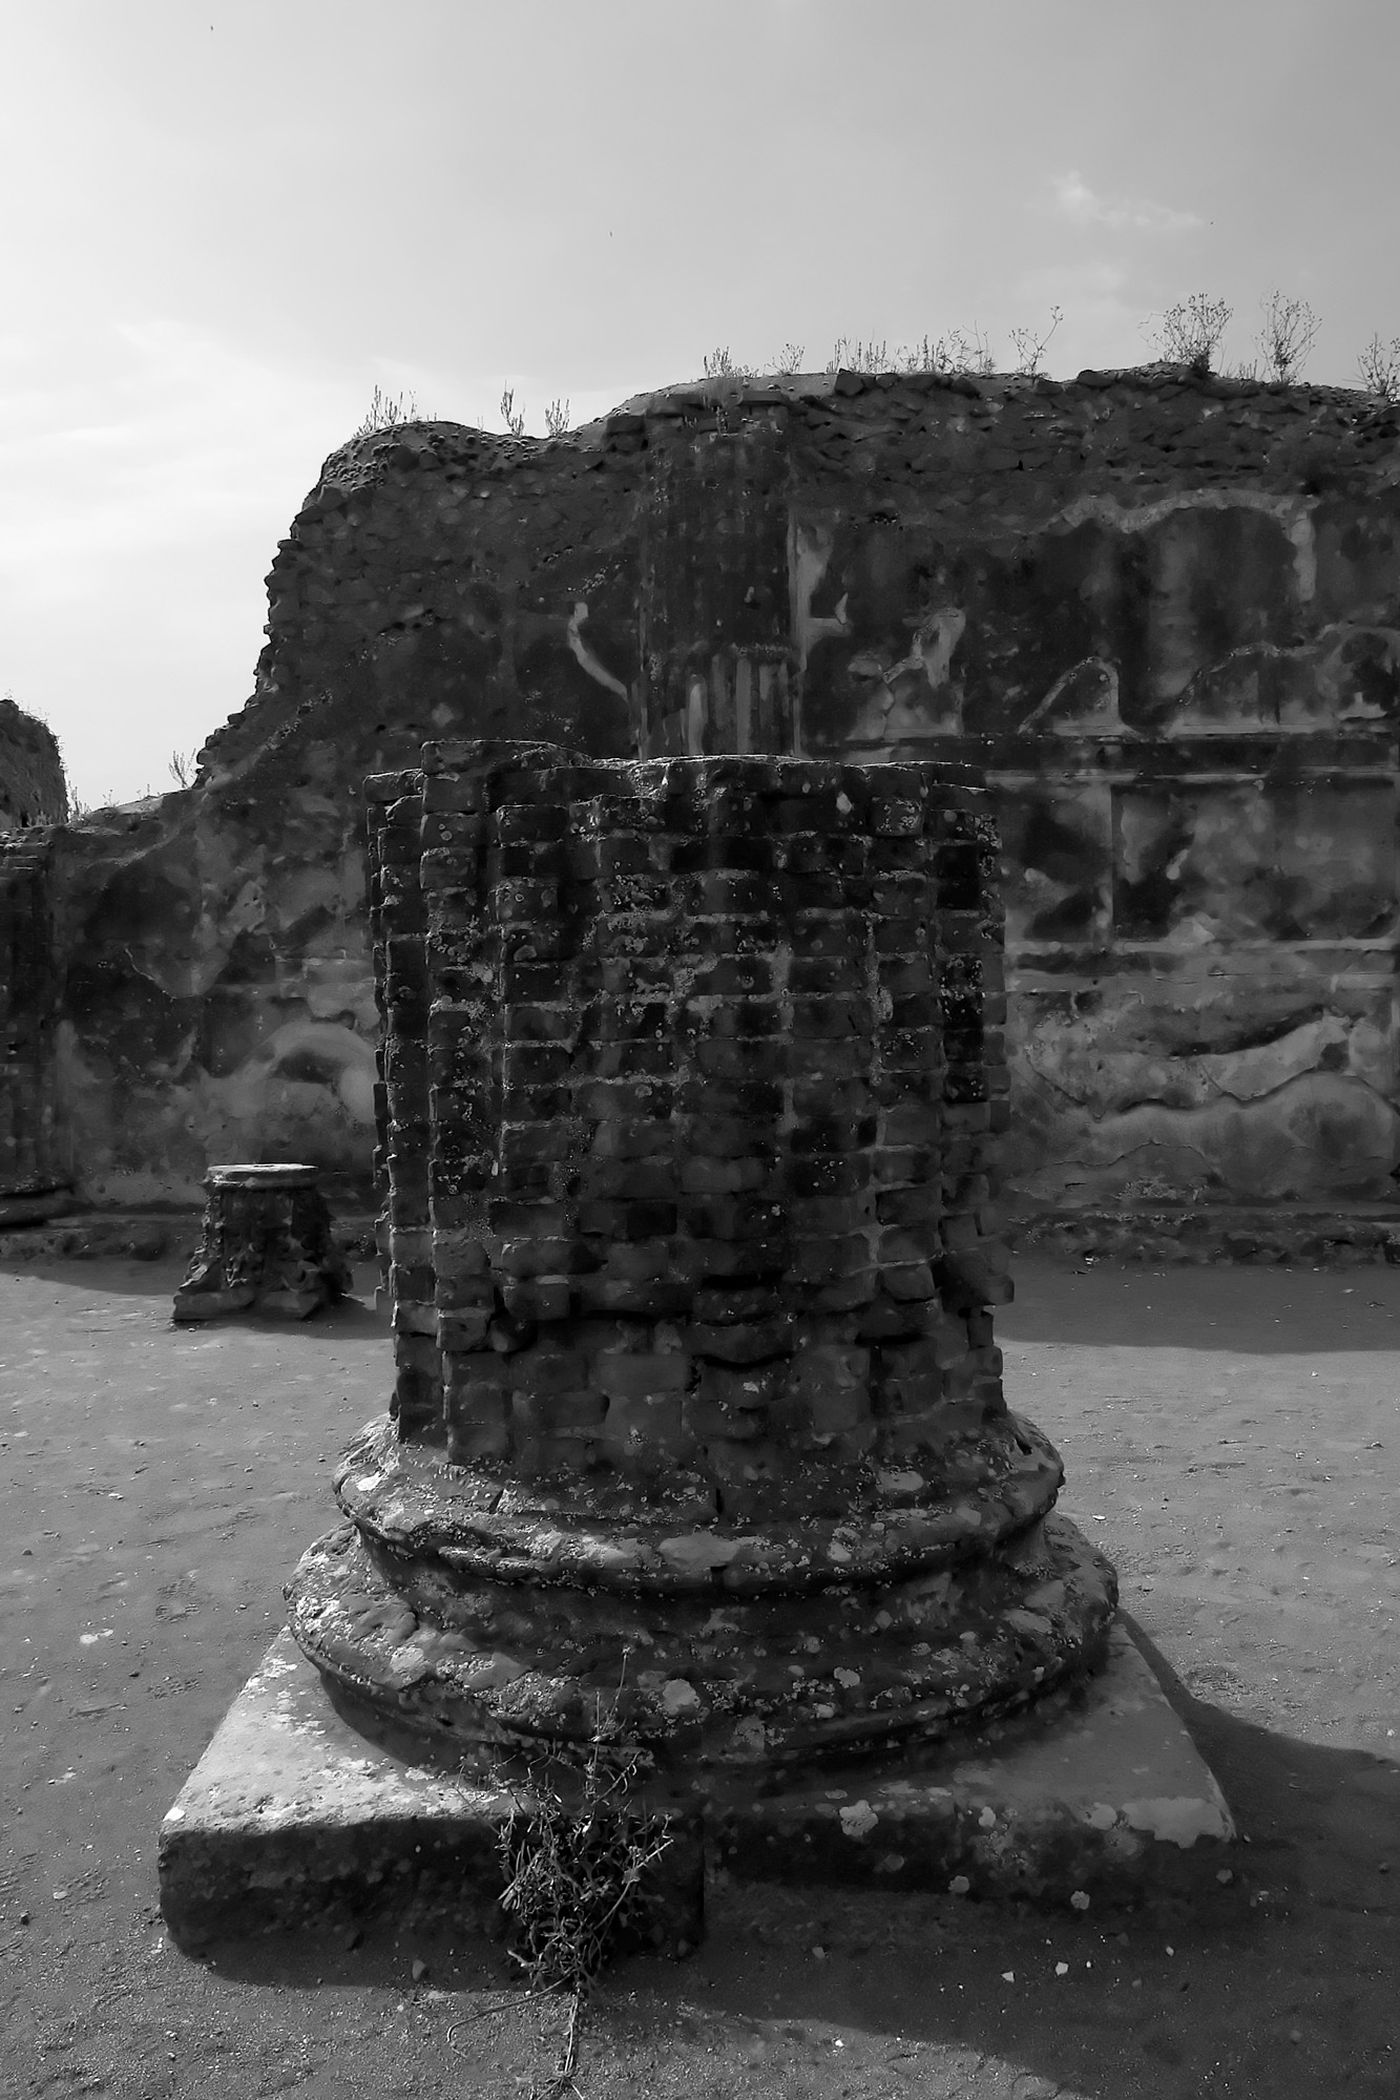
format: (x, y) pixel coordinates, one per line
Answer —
(266, 1246)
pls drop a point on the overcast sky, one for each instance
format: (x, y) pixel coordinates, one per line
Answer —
(227, 221)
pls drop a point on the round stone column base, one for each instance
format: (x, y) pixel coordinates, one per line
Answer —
(708, 1681)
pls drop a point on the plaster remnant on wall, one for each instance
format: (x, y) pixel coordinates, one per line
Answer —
(810, 559)
(913, 697)
(1072, 1059)
(1082, 700)
(1123, 514)
(582, 654)
(1319, 1132)
(1300, 531)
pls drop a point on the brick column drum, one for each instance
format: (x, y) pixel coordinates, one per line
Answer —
(689, 1071)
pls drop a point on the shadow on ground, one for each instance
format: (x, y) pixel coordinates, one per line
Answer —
(1264, 1311)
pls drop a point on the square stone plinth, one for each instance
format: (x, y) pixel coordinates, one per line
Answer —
(1101, 1792)
(290, 1812)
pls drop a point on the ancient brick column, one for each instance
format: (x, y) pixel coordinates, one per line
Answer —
(690, 1069)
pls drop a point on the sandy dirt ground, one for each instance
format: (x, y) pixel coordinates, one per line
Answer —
(1232, 1440)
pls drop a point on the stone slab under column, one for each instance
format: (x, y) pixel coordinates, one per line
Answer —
(291, 1814)
(291, 1811)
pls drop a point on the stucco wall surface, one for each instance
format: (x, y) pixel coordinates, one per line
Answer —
(1162, 612)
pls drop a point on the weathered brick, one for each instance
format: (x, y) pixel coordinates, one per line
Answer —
(462, 1293)
(718, 1177)
(628, 1374)
(830, 1099)
(539, 1298)
(463, 1329)
(744, 1060)
(752, 1342)
(826, 1174)
(707, 1418)
(650, 1298)
(735, 977)
(743, 1099)
(919, 1205)
(845, 1293)
(731, 1301)
(752, 1387)
(648, 1429)
(549, 1367)
(623, 1099)
(529, 823)
(627, 1219)
(535, 1257)
(912, 1122)
(821, 1258)
(832, 1060)
(727, 1136)
(418, 1353)
(539, 1220)
(416, 1404)
(527, 1064)
(531, 1180)
(414, 1283)
(534, 1022)
(816, 1216)
(731, 1217)
(750, 1259)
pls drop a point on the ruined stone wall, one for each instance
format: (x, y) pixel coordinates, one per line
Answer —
(33, 784)
(1162, 613)
(214, 999)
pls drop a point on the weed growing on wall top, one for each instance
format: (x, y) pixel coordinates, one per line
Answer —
(1189, 333)
(1288, 333)
(387, 411)
(1030, 348)
(956, 352)
(1379, 368)
(720, 365)
(849, 355)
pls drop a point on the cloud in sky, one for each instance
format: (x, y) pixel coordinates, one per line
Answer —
(1083, 206)
(170, 425)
